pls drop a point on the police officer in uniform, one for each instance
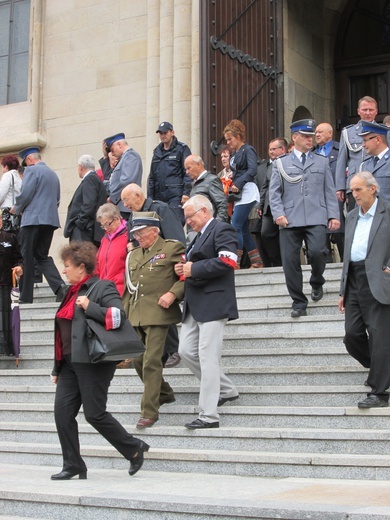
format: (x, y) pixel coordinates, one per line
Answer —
(151, 299)
(351, 151)
(378, 163)
(303, 204)
(168, 180)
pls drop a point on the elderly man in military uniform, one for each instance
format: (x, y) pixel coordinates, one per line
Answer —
(152, 300)
(378, 162)
(351, 150)
(303, 204)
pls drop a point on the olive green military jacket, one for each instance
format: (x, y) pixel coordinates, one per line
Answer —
(152, 274)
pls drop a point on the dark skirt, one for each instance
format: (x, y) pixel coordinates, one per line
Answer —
(6, 343)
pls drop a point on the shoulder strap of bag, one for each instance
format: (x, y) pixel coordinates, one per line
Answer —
(91, 288)
(13, 189)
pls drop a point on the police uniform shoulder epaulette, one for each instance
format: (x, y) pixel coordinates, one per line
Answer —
(367, 159)
(349, 126)
(281, 156)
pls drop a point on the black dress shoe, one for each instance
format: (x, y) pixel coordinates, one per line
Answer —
(317, 294)
(198, 424)
(297, 313)
(67, 474)
(373, 401)
(223, 400)
(138, 459)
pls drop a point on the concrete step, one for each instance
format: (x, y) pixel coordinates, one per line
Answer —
(40, 357)
(294, 440)
(220, 461)
(242, 376)
(175, 414)
(156, 495)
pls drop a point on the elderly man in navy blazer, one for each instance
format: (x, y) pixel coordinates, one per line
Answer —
(303, 203)
(38, 202)
(365, 286)
(209, 302)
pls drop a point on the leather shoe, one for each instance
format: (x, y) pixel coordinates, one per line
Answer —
(138, 459)
(145, 423)
(172, 361)
(198, 424)
(297, 313)
(67, 474)
(223, 400)
(168, 401)
(126, 363)
(317, 294)
(373, 401)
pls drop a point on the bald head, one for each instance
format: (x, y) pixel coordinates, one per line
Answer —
(133, 197)
(323, 134)
(194, 166)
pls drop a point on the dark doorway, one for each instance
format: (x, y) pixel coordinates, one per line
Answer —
(362, 58)
(241, 67)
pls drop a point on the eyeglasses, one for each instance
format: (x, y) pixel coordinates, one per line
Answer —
(138, 234)
(369, 138)
(107, 224)
(276, 148)
(188, 217)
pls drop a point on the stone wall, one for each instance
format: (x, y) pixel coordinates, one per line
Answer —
(98, 67)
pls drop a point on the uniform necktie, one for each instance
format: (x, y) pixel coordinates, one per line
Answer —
(303, 159)
(376, 159)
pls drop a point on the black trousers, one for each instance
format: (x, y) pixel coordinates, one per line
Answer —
(87, 384)
(367, 330)
(35, 242)
(290, 244)
(171, 343)
(270, 240)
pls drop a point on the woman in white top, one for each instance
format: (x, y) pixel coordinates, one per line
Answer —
(10, 165)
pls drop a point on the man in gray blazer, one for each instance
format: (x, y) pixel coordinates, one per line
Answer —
(38, 202)
(365, 287)
(127, 170)
(303, 204)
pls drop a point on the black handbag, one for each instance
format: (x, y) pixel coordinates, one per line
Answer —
(114, 344)
(11, 223)
(233, 196)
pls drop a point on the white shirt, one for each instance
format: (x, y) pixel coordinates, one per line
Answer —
(362, 233)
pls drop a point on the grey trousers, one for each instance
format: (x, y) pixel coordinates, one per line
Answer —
(200, 348)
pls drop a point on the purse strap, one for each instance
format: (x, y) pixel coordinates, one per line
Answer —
(13, 189)
(91, 288)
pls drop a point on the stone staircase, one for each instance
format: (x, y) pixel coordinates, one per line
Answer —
(297, 415)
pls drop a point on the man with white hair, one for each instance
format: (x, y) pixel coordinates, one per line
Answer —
(209, 302)
(90, 194)
(365, 286)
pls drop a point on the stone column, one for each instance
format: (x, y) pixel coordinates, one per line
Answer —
(166, 60)
(182, 69)
(195, 80)
(152, 81)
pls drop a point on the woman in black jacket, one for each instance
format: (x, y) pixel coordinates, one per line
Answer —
(243, 163)
(79, 382)
(10, 261)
